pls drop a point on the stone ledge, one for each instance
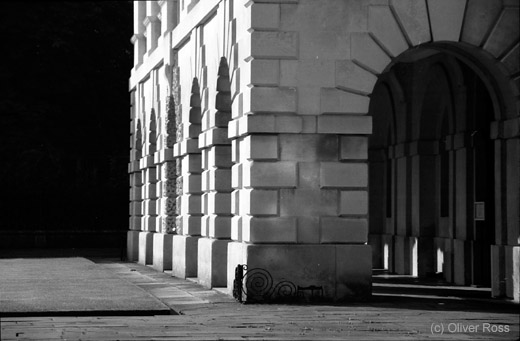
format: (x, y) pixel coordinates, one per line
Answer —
(343, 124)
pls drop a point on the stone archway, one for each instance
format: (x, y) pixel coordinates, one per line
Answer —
(483, 38)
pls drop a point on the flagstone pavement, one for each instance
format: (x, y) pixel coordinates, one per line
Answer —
(397, 311)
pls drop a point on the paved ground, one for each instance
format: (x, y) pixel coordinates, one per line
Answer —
(69, 286)
(429, 312)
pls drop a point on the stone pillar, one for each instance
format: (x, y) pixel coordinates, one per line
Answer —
(132, 246)
(216, 185)
(300, 150)
(461, 246)
(424, 206)
(168, 15)
(403, 248)
(185, 243)
(166, 203)
(139, 38)
(152, 25)
(149, 195)
(378, 206)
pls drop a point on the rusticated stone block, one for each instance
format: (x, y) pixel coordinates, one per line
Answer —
(136, 193)
(269, 174)
(505, 32)
(288, 124)
(343, 230)
(162, 251)
(313, 202)
(344, 124)
(149, 191)
(190, 204)
(260, 72)
(236, 176)
(269, 230)
(236, 228)
(309, 230)
(132, 246)
(149, 207)
(184, 256)
(351, 77)
(219, 227)
(382, 24)
(353, 202)
(191, 163)
(265, 16)
(135, 223)
(308, 147)
(219, 180)
(335, 101)
(259, 202)
(446, 18)
(136, 179)
(275, 45)
(189, 225)
(219, 156)
(353, 148)
(219, 203)
(335, 174)
(256, 124)
(145, 248)
(260, 147)
(413, 16)
(308, 175)
(271, 100)
(212, 262)
(480, 15)
(316, 73)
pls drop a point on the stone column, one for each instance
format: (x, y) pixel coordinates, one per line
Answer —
(152, 25)
(132, 246)
(402, 243)
(149, 194)
(165, 175)
(139, 39)
(216, 186)
(188, 156)
(168, 15)
(300, 150)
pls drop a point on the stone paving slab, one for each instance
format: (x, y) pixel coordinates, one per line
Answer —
(69, 286)
(210, 315)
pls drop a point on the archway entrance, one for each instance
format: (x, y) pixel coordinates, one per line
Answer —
(432, 170)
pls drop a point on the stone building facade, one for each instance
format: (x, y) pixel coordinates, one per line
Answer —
(321, 139)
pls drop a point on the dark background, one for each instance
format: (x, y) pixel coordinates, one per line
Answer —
(64, 123)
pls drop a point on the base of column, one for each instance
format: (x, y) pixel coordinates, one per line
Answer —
(343, 271)
(387, 247)
(403, 255)
(423, 256)
(212, 262)
(162, 251)
(374, 240)
(132, 246)
(444, 256)
(498, 276)
(145, 248)
(461, 262)
(516, 273)
(184, 256)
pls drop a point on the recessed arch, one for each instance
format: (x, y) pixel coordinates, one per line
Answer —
(441, 166)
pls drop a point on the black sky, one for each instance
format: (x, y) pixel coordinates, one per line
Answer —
(64, 115)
